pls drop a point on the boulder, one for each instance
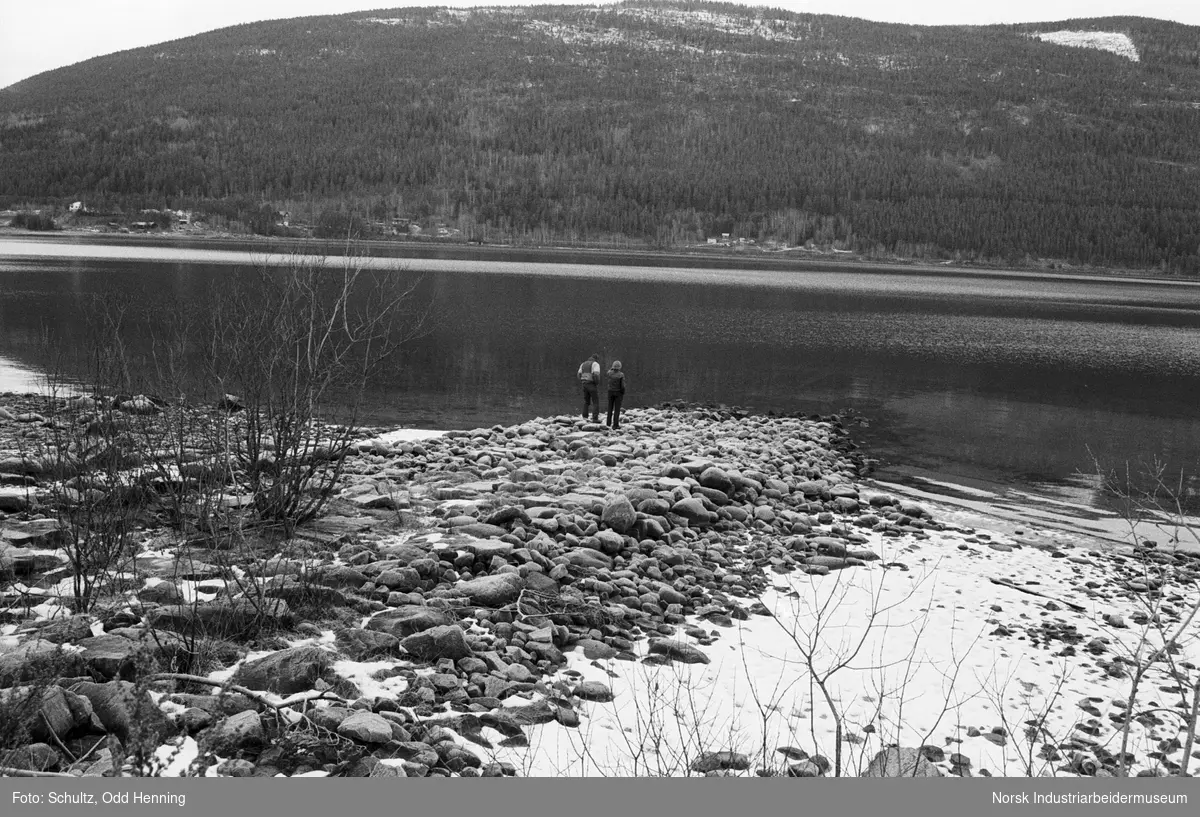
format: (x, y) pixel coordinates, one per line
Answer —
(588, 558)
(37, 757)
(610, 542)
(482, 530)
(110, 656)
(404, 621)
(286, 672)
(445, 641)
(366, 727)
(901, 761)
(220, 618)
(495, 590)
(618, 513)
(713, 761)
(122, 712)
(236, 733)
(58, 716)
(718, 480)
(362, 645)
(593, 691)
(36, 658)
(693, 510)
(679, 651)
(15, 500)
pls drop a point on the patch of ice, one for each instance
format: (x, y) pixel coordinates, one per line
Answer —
(1112, 41)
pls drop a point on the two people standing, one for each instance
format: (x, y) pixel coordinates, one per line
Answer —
(589, 377)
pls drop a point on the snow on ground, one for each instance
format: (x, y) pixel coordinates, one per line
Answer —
(1113, 41)
(1036, 516)
(175, 758)
(935, 654)
(406, 435)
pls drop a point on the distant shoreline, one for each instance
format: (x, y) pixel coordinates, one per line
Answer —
(752, 259)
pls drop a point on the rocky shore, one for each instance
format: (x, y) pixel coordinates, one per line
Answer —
(467, 592)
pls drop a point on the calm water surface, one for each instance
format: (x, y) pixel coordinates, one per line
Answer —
(1017, 379)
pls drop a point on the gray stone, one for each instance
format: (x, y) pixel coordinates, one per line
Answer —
(236, 768)
(482, 530)
(446, 641)
(594, 691)
(361, 645)
(405, 621)
(610, 542)
(596, 650)
(286, 672)
(718, 480)
(495, 590)
(123, 712)
(679, 651)
(38, 757)
(110, 656)
(588, 558)
(16, 500)
(220, 618)
(235, 733)
(618, 513)
(693, 510)
(903, 761)
(485, 549)
(713, 761)
(54, 719)
(402, 579)
(366, 727)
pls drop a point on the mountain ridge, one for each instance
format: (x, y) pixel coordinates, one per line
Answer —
(667, 123)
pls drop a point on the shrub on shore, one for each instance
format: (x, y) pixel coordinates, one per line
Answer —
(34, 221)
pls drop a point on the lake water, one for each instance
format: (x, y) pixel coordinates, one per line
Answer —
(1009, 379)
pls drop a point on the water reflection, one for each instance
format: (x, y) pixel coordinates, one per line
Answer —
(1001, 377)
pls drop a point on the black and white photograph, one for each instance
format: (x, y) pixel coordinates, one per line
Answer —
(639, 389)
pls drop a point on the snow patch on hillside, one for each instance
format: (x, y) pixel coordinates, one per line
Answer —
(584, 35)
(766, 28)
(387, 21)
(1112, 41)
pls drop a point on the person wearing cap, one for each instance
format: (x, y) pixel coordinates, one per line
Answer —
(616, 394)
(589, 378)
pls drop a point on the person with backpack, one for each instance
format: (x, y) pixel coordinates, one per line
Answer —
(616, 394)
(589, 378)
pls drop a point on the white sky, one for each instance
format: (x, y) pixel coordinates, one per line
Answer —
(39, 35)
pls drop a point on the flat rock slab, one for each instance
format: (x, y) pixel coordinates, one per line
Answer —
(286, 672)
(679, 651)
(495, 590)
(36, 533)
(408, 620)
(110, 656)
(16, 500)
(435, 643)
(366, 727)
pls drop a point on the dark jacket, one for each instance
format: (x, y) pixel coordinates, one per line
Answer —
(616, 381)
(591, 369)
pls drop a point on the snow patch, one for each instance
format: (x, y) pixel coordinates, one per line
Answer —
(761, 27)
(406, 435)
(1111, 41)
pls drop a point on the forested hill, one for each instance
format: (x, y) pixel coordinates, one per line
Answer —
(667, 123)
